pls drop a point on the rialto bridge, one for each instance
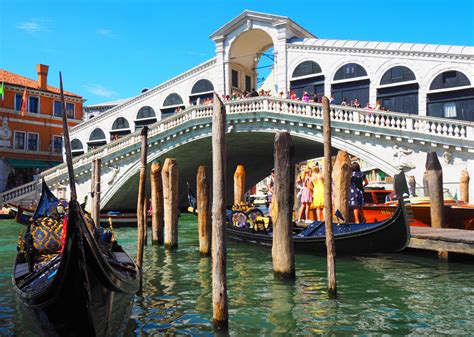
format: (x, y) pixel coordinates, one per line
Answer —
(429, 88)
(389, 141)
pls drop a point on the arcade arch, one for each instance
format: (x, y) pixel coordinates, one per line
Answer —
(251, 62)
(145, 116)
(120, 127)
(451, 96)
(351, 82)
(201, 90)
(96, 139)
(308, 77)
(398, 90)
(173, 103)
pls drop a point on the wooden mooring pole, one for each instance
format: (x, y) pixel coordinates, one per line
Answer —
(204, 211)
(342, 184)
(464, 186)
(331, 250)
(169, 176)
(220, 314)
(435, 188)
(145, 220)
(141, 198)
(239, 184)
(156, 204)
(283, 253)
(95, 210)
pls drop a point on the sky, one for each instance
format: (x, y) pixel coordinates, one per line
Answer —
(112, 49)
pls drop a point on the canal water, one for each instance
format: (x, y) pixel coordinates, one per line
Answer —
(395, 294)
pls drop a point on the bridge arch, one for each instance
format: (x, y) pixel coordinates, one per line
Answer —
(307, 76)
(189, 157)
(351, 81)
(145, 116)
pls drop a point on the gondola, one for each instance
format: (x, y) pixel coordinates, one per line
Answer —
(87, 287)
(390, 235)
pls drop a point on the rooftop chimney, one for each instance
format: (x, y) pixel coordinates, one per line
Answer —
(42, 71)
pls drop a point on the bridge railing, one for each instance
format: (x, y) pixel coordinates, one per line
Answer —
(19, 191)
(373, 118)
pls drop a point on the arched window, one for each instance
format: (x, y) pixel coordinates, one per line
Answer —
(202, 86)
(350, 70)
(146, 112)
(449, 79)
(398, 97)
(173, 103)
(397, 74)
(353, 89)
(97, 135)
(307, 68)
(145, 116)
(308, 77)
(120, 127)
(96, 139)
(456, 102)
(76, 147)
(173, 99)
(202, 90)
(120, 124)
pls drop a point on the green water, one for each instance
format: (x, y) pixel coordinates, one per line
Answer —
(395, 294)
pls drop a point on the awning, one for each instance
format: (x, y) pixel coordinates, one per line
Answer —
(29, 163)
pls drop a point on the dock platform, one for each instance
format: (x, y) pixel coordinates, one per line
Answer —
(442, 239)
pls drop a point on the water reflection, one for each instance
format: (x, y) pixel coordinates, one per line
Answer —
(282, 308)
(386, 294)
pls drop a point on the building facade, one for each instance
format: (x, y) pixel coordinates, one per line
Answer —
(31, 140)
(422, 79)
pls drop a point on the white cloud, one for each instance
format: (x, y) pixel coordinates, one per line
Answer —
(101, 91)
(34, 26)
(105, 32)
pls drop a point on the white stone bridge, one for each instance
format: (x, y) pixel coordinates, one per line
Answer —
(388, 141)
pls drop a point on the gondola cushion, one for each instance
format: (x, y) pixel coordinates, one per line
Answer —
(46, 233)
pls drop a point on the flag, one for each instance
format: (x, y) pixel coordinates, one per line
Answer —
(2, 92)
(23, 103)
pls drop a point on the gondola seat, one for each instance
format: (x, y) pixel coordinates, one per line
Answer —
(46, 233)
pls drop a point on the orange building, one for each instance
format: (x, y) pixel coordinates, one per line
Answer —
(31, 141)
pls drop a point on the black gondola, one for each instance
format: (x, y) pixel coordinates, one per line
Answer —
(390, 235)
(87, 287)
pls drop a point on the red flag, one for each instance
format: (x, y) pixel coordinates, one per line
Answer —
(23, 103)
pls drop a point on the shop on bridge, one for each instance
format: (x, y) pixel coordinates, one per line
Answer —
(450, 96)
(398, 90)
(145, 116)
(120, 128)
(173, 103)
(202, 90)
(308, 77)
(351, 83)
(96, 139)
